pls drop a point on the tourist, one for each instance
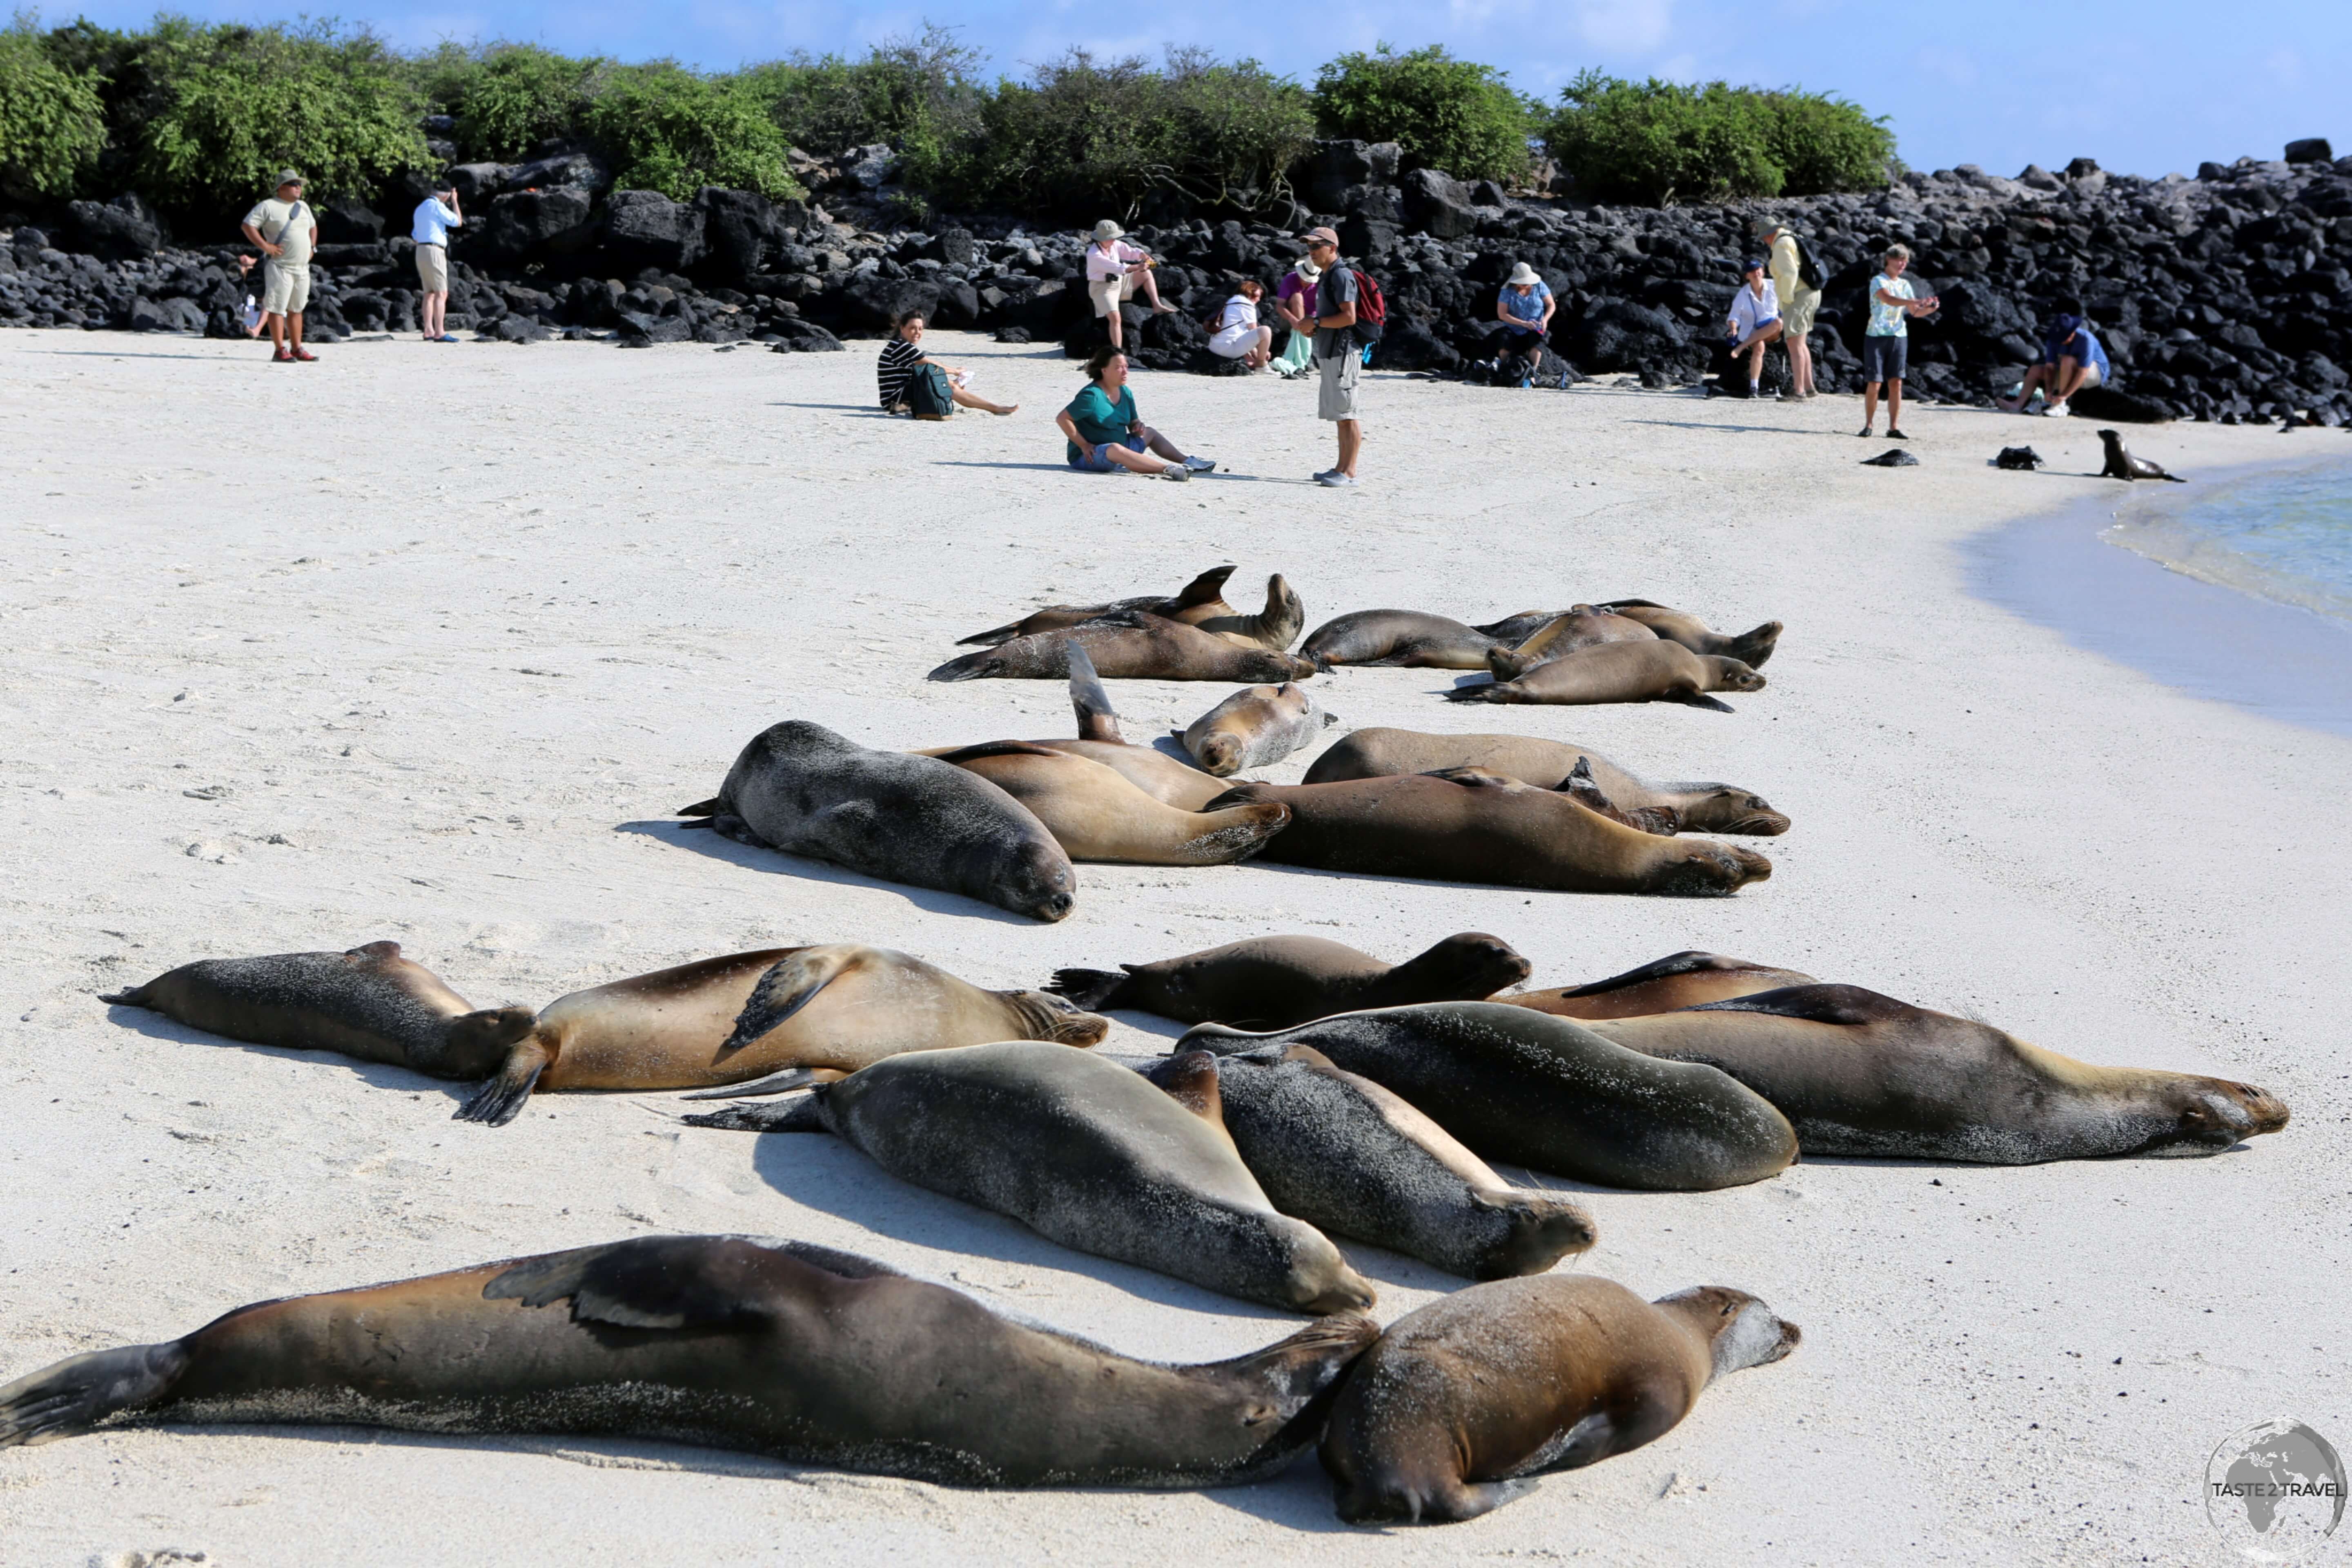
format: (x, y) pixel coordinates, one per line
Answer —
(287, 232)
(1755, 320)
(1238, 335)
(1293, 301)
(1886, 343)
(903, 352)
(435, 215)
(1525, 307)
(1105, 431)
(1335, 353)
(1115, 272)
(2071, 360)
(1801, 299)
(251, 313)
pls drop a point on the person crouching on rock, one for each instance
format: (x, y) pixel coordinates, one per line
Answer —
(286, 234)
(1116, 271)
(435, 215)
(1525, 307)
(1293, 301)
(903, 356)
(1238, 335)
(1105, 431)
(2071, 360)
(1755, 320)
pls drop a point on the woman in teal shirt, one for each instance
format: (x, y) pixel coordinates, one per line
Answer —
(1105, 431)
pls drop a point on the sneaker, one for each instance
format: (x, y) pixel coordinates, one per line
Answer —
(2057, 410)
(1177, 471)
(1563, 381)
(281, 357)
(305, 355)
(1893, 434)
(1335, 479)
(1864, 432)
(447, 338)
(1201, 464)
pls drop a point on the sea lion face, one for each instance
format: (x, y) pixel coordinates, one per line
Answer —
(478, 1044)
(1269, 666)
(1221, 754)
(1038, 882)
(1735, 811)
(1733, 675)
(1742, 1330)
(1062, 1020)
(2211, 1114)
(1484, 960)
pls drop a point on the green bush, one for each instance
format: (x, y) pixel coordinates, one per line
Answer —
(1825, 143)
(509, 98)
(1449, 114)
(1660, 141)
(919, 94)
(674, 131)
(52, 120)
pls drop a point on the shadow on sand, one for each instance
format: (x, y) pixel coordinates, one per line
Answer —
(703, 841)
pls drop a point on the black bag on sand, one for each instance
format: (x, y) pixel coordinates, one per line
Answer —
(929, 395)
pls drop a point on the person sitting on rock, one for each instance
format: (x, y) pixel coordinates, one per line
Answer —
(1524, 307)
(2071, 360)
(1293, 301)
(903, 352)
(1755, 320)
(1115, 272)
(1238, 335)
(1105, 431)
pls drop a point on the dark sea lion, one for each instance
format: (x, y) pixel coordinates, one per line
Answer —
(1470, 825)
(1699, 808)
(2121, 465)
(1203, 598)
(1859, 1073)
(1653, 672)
(368, 1002)
(1458, 1402)
(1529, 1089)
(1080, 1150)
(1273, 982)
(1095, 812)
(1579, 625)
(781, 1016)
(1406, 637)
(1353, 1159)
(1751, 647)
(728, 1341)
(1666, 985)
(801, 788)
(1253, 727)
(1893, 458)
(1128, 644)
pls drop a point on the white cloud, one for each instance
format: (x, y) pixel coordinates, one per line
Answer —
(1625, 25)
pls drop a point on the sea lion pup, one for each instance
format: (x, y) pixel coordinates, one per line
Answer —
(1698, 808)
(1128, 644)
(1203, 598)
(1350, 1158)
(2121, 465)
(1273, 982)
(1859, 1073)
(1653, 672)
(1466, 825)
(728, 1341)
(1080, 1150)
(1446, 1416)
(1254, 726)
(1527, 1089)
(1406, 637)
(1667, 984)
(1097, 814)
(801, 788)
(1581, 625)
(1751, 647)
(781, 1016)
(368, 1002)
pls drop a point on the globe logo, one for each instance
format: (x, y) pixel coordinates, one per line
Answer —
(2275, 1490)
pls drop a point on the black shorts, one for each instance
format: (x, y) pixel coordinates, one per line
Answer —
(1882, 358)
(1521, 339)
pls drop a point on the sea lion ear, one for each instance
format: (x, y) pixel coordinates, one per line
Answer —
(784, 991)
(649, 1282)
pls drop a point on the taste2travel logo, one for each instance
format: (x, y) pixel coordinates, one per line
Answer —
(2275, 1490)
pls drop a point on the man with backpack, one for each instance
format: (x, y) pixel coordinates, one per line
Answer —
(1349, 311)
(1797, 280)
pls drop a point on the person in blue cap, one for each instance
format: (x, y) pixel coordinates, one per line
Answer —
(2071, 360)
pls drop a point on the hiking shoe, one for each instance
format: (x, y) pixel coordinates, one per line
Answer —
(2057, 410)
(1864, 432)
(1201, 464)
(281, 357)
(1176, 471)
(1895, 434)
(305, 355)
(1335, 479)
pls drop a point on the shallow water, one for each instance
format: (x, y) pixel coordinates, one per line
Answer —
(2282, 536)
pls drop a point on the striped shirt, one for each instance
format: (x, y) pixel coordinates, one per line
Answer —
(894, 369)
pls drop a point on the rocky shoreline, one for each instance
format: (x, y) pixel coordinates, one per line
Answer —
(2225, 297)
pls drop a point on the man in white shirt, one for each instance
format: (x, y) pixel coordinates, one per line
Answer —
(436, 214)
(287, 232)
(1755, 320)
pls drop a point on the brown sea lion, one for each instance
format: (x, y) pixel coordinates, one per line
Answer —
(1654, 672)
(1273, 982)
(782, 1017)
(1446, 1416)
(1859, 1073)
(728, 1341)
(1201, 599)
(1253, 727)
(1751, 647)
(1698, 808)
(1128, 644)
(1579, 625)
(1276, 627)
(2121, 465)
(1466, 825)
(1663, 986)
(1405, 637)
(1097, 814)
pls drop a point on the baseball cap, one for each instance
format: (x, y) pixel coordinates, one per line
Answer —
(1324, 236)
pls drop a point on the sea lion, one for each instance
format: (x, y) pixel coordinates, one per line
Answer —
(1095, 812)
(1203, 598)
(1579, 625)
(1445, 1417)
(1353, 1159)
(1893, 458)
(1662, 985)
(1582, 787)
(1080, 1150)
(1275, 627)
(727, 1342)
(1254, 726)
(1859, 1073)
(1751, 647)
(1530, 1090)
(1654, 672)
(1466, 825)
(369, 1003)
(1698, 808)
(1406, 637)
(2121, 465)
(801, 788)
(1130, 644)
(781, 1017)
(1273, 982)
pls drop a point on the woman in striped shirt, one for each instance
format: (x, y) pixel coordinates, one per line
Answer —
(903, 352)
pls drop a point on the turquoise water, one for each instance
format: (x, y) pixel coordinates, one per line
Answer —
(2282, 535)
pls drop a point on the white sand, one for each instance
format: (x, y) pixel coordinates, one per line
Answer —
(456, 628)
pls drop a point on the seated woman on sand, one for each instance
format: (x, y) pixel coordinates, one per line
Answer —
(1106, 432)
(903, 352)
(1238, 335)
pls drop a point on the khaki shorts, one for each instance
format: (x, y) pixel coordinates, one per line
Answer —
(1107, 293)
(433, 268)
(284, 289)
(1338, 399)
(1799, 313)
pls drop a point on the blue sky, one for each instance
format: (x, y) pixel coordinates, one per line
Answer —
(2143, 86)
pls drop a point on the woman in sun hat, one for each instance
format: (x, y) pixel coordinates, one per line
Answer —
(1293, 301)
(1525, 307)
(1115, 272)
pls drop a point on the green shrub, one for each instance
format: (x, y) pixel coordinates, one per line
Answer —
(917, 94)
(517, 96)
(1825, 143)
(1449, 114)
(674, 131)
(1660, 141)
(52, 120)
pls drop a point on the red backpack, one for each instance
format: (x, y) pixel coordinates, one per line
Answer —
(1371, 306)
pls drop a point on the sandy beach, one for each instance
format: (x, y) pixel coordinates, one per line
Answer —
(427, 643)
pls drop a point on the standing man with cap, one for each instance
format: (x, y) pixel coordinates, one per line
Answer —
(1336, 361)
(436, 214)
(1755, 320)
(1116, 270)
(1800, 300)
(286, 234)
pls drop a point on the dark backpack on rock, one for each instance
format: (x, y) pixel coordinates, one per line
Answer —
(929, 395)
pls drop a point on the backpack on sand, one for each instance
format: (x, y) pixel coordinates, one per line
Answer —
(929, 395)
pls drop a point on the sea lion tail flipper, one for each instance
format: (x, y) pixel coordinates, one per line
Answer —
(500, 1098)
(710, 807)
(1205, 589)
(784, 991)
(134, 997)
(1089, 988)
(971, 667)
(79, 1391)
(1097, 719)
(784, 1082)
(1701, 700)
(1479, 692)
(803, 1115)
(1753, 647)
(992, 636)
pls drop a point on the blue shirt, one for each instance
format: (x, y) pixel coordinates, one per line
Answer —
(432, 222)
(2082, 348)
(1527, 307)
(1098, 420)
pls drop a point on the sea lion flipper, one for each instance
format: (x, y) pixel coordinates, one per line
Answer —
(784, 991)
(710, 807)
(1089, 988)
(646, 1282)
(1205, 589)
(1820, 1004)
(974, 753)
(1700, 700)
(79, 1391)
(500, 1099)
(802, 1115)
(783, 1082)
(1097, 719)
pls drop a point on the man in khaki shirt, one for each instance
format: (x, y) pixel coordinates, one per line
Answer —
(286, 232)
(1798, 304)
